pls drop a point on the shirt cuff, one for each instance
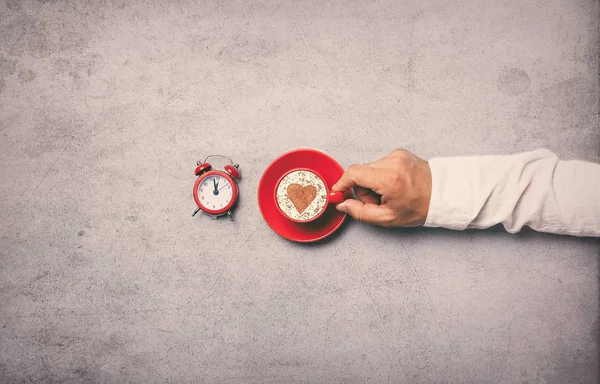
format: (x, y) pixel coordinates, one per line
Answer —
(451, 193)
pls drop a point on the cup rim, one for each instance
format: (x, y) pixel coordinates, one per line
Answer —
(327, 191)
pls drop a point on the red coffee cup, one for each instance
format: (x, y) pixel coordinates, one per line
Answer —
(302, 195)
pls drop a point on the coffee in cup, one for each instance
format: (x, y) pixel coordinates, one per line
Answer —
(302, 195)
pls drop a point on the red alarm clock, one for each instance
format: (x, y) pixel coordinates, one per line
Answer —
(215, 191)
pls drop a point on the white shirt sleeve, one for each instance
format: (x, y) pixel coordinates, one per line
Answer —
(534, 189)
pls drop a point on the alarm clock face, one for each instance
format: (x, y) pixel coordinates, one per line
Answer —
(216, 193)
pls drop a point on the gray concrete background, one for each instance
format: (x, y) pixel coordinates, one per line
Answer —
(105, 106)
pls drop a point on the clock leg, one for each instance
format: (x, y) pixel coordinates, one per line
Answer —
(196, 211)
(230, 215)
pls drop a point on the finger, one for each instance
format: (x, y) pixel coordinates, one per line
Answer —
(367, 213)
(357, 175)
(367, 196)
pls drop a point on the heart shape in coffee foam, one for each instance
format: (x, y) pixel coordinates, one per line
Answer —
(301, 196)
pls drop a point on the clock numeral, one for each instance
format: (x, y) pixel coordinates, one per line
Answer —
(213, 206)
(228, 186)
(202, 197)
(206, 184)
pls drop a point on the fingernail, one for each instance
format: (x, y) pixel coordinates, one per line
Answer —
(341, 207)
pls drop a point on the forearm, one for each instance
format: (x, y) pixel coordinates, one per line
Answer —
(534, 189)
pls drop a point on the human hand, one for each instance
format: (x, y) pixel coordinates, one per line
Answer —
(392, 192)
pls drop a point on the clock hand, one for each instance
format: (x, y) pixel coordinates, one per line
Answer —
(223, 186)
(216, 190)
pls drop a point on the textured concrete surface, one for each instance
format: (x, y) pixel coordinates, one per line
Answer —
(105, 106)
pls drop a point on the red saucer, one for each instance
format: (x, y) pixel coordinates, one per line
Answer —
(327, 167)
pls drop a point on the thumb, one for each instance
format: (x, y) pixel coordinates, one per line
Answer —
(367, 213)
